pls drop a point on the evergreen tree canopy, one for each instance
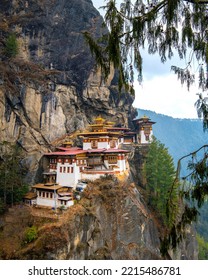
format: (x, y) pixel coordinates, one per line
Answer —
(161, 26)
(160, 174)
(12, 186)
(11, 46)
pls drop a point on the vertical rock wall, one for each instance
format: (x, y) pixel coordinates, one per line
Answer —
(38, 111)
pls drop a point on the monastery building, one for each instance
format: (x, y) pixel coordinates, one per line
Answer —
(101, 154)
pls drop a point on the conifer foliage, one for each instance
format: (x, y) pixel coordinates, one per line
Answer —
(162, 27)
(160, 173)
(11, 46)
(12, 186)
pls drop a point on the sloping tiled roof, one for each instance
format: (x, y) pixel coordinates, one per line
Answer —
(67, 152)
(30, 195)
(47, 186)
(116, 151)
(89, 151)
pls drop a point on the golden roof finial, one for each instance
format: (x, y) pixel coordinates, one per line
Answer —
(99, 120)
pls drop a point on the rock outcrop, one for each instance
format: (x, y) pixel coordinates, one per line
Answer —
(110, 222)
(41, 108)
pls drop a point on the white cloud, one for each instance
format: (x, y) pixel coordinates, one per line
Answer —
(165, 95)
(99, 3)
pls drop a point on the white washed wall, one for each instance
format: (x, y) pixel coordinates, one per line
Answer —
(65, 178)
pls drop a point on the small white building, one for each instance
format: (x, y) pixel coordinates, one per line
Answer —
(144, 130)
(65, 166)
(53, 196)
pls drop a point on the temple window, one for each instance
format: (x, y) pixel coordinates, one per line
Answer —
(112, 143)
(72, 169)
(112, 159)
(52, 166)
(60, 169)
(94, 144)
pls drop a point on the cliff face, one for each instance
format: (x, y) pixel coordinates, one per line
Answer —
(38, 108)
(110, 222)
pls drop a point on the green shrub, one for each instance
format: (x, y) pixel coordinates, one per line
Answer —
(203, 248)
(31, 234)
(11, 46)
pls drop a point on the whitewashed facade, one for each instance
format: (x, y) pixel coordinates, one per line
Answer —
(52, 196)
(100, 155)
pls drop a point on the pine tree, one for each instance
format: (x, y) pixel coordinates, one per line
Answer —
(160, 174)
(11, 46)
(12, 186)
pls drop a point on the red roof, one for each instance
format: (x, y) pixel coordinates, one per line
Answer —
(116, 151)
(106, 151)
(66, 153)
(95, 150)
(71, 152)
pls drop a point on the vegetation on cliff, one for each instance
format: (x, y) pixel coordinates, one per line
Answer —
(159, 172)
(203, 248)
(12, 186)
(11, 45)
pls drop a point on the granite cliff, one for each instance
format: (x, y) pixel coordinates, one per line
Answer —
(56, 88)
(52, 88)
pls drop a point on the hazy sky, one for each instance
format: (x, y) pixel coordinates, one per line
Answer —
(160, 90)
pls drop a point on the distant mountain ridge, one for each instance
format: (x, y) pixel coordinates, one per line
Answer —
(180, 136)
